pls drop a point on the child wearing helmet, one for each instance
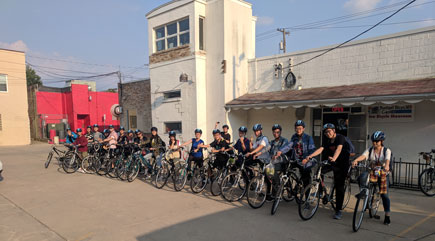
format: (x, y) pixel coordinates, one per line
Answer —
(82, 146)
(174, 145)
(378, 156)
(195, 154)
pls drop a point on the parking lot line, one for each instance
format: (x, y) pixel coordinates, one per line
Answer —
(413, 226)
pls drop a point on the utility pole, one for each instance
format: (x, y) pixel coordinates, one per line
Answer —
(284, 33)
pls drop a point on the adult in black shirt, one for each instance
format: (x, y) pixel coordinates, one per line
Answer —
(224, 132)
(335, 148)
(219, 145)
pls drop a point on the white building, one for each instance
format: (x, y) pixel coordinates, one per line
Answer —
(384, 83)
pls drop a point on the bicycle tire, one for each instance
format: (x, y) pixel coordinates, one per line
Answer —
(121, 170)
(133, 171)
(161, 177)
(111, 171)
(374, 203)
(231, 184)
(426, 182)
(257, 190)
(277, 199)
(101, 167)
(87, 165)
(50, 156)
(179, 178)
(358, 213)
(296, 188)
(198, 182)
(215, 185)
(311, 192)
(70, 165)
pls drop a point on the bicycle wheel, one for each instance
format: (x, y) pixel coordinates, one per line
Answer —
(277, 199)
(111, 168)
(426, 182)
(133, 170)
(101, 167)
(198, 180)
(374, 202)
(257, 190)
(358, 213)
(70, 165)
(309, 202)
(121, 169)
(162, 176)
(215, 186)
(347, 192)
(179, 178)
(87, 164)
(293, 189)
(233, 187)
(50, 156)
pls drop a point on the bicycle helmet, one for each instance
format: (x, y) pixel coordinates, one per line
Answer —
(300, 123)
(276, 126)
(89, 127)
(243, 129)
(106, 131)
(328, 126)
(153, 128)
(198, 131)
(111, 127)
(378, 136)
(95, 125)
(130, 131)
(79, 130)
(225, 126)
(121, 128)
(137, 132)
(269, 170)
(257, 127)
(216, 131)
(172, 133)
(68, 129)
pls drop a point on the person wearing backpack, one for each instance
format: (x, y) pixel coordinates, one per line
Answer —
(378, 155)
(336, 149)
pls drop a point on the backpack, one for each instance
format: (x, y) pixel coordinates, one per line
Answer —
(385, 153)
(350, 146)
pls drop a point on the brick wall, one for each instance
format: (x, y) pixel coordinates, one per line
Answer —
(137, 96)
(171, 54)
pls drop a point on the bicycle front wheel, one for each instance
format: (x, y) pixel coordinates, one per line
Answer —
(87, 164)
(162, 177)
(180, 178)
(374, 203)
(277, 199)
(215, 186)
(310, 200)
(198, 181)
(133, 170)
(426, 182)
(233, 187)
(70, 165)
(358, 213)
(50, 156)
(257, 190)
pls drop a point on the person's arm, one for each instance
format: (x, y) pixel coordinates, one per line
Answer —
(336, 153)
(315, 153)
(285, 148)
(311, 146)
(186, 143)
(387, 160)
(216, 125)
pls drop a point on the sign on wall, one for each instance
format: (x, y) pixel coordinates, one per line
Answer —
(391, 113)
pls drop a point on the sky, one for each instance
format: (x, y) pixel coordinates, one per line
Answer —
(81, 38)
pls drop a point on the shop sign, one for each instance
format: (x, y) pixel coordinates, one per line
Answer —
(391, 113)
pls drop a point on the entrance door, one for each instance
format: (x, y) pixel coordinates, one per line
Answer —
(82, 121)
(340, 120)
(357, 131)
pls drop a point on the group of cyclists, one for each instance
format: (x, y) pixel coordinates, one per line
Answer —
(258, 150)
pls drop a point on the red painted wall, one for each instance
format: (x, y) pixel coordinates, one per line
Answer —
(78, 106)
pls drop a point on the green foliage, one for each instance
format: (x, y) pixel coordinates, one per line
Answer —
(32, 77)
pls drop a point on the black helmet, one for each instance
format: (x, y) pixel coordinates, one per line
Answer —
(243, 129)
(276, 126)
(216, 131)
(198, 131)
(257, 127)
(225, 126)
(106, 131)
(378, 136)
(111, 127)
(137, 131)
(130, 131)
(90, 127)
(328, 126)
(172, 133)
(153, 128)
(95, 125)
(68, 129)
(79, 130)
(300, 123)
(121, 128)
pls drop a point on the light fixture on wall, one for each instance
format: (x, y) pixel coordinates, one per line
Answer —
(184, 78)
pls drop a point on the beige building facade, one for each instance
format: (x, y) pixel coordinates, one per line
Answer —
(14, 118)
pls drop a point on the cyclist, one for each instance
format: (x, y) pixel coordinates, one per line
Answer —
(218, 146)
(123, 137)
(111, 139)
(71, 136)
(130, 135)
(335, 148)
(378, 155)
(82, 145)
(89, 135)
(174, 144)
(98, 136)
(195, 155)
(105, 134)
(243, 145)
(300, 146)
(156, 145)
(275, 145)
(224, 132)
(260, 152)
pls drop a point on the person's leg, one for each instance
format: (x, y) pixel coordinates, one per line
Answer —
(386, 204)
(339, 180)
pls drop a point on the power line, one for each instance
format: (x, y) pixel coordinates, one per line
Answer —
(66, 70)
(83, 63)
(338, 46)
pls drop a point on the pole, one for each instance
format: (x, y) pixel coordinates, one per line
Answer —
(284, 33)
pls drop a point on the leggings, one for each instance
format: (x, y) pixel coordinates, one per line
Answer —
(385, 197)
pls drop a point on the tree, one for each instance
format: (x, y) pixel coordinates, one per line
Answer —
(32, 77)
(112, 90)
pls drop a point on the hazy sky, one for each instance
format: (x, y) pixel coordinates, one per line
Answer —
(59, 35)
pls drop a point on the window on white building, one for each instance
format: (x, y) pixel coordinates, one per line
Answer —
(173, 126)
(3, 83)
(172, 35)
(172, 94)
(201, 33)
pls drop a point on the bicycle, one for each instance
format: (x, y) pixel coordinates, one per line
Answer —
(60, 156)
(216, 180)
(140, 165)
(233, 186)
(168, 169)
(368, 198)
(72, 163)
(257, 188)
(427, 176)
(201, 175)
(90, 165)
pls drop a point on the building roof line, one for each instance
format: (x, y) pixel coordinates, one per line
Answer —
(12, 50)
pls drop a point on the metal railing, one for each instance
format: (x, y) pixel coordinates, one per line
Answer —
(405, 174)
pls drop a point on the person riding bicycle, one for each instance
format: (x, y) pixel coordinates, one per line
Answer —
(89, 135)
(130, 135)
(219, 145)
(174, 145)
(82, 145)
(243, 145)
(378, 156)
(336, 149)
(275, 145)
(195, 155)
(98, 136)
(111, 140)
(156, 145)
(71, 136)
(299, 147)
(123, 137)
(224, 132)
(260, 152)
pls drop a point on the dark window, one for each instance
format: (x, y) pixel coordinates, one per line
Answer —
(171, 29)
(172, 94)
(173, 126)
(184, 39)
(201, 33)
(172, 42)
(3, 83)
(133, 122)
(160, 33)
(184, 25)
(172, 35)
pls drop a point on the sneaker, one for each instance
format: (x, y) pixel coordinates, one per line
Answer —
(269, 198)
(81, 170)
(338, 215)
(387, 220)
